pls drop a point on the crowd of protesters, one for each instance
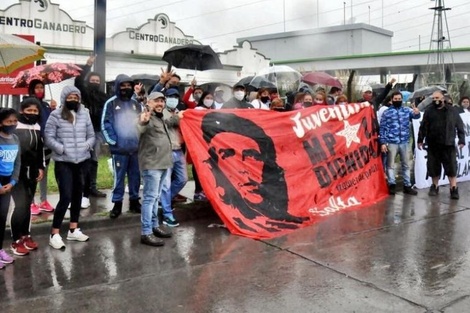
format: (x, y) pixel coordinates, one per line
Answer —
(153, 151)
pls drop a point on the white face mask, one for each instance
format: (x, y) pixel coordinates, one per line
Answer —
(318, 101)
(172, 103)
(208, 102)
(239, 95)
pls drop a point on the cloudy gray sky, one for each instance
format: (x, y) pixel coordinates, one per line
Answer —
(220, 22)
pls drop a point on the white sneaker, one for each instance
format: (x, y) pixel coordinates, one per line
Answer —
(85, 203)
(56, 242)
(77, 235)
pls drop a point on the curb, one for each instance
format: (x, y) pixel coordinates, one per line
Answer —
(189, 212)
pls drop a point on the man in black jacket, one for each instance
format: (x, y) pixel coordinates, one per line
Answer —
(89, 84)
(438, 128)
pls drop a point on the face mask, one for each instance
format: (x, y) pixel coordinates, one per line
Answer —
(197, 96)
(307, 104)
(32, 118)
(39, 95)
(318, 101)
(438, 103)
(171, 103)
(94, 86)
(239, 95)
(397, 104)
(72, 105)
(367, 96)
(126, 93)
(8, 129)
(342, 103)
(208, 102)
(265, 99)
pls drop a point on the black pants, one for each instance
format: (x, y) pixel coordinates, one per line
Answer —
(23, 194)
(4, 205)
(89, 177)
(197, 183)
(69, 179)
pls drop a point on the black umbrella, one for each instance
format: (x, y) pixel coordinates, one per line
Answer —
(426, 91)
(197, 57)
(146, 79)
(245, 81)
(210, 87)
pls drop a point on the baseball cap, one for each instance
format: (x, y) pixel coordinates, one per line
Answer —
(218, 89)
(172, 92)
(155, 95)
(367, 89)
(237, 85)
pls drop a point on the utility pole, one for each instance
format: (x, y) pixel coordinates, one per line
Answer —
(100, 38)
(382, 13)
(351, 11)
(369, 13)
(437, 41)
(344, 13)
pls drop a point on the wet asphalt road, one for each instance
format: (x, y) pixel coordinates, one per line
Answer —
(404, 254)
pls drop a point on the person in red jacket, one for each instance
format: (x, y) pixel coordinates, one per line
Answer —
(196, 92)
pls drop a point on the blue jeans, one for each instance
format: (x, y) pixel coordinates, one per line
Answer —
(153, 184)
(122, 165)
(402, 150)
(175, 180)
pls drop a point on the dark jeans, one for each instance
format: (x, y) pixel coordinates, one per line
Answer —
(89, 177)
(197, 183)
(23, 194)
(4, 205)
(69, 179)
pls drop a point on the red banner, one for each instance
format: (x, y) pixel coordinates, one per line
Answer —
(6, 81)
(267, 173)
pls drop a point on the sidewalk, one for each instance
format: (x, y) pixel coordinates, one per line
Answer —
(97, 216)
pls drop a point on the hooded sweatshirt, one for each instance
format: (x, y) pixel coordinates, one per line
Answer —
(118, 121)
(44, 110)
(70, 141)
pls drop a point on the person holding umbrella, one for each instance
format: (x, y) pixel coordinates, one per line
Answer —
(69, 134)
(36, 90)
(238, 100)
(196, 92)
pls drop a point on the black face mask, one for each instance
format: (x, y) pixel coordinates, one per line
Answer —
(307, 104)
(8, 129)
(72, 105)
(397, 104)
(94, 86)
(438, 103)
(31, 118)
(126, 93)
(264, 99)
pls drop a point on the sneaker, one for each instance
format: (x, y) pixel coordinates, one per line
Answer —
(151, 240)
(56, 242)
(5, 257)
(454, 193)
(392, 189)
(29, 243)
(170, 221)
(433, 191)
(179, 198)
(18, 248)
(35, 209)
(85, 203)
(409, 190)
(46, 207)
(200, 196)
(77, 235)
(96, 193)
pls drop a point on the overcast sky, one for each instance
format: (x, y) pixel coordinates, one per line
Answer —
(220, 22)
